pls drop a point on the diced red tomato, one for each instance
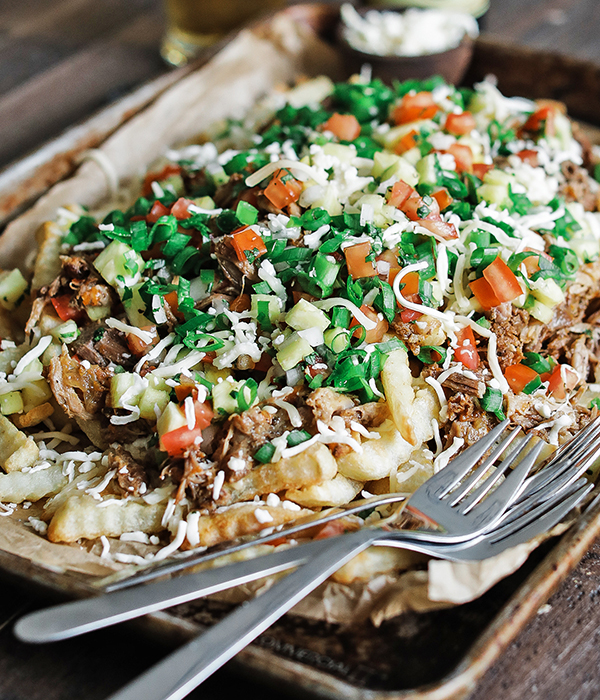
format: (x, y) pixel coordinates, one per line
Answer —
(484, 293)
(459, 124)
(399, 193)
(407, 142)
(180, 208)
(168, 171)
(529, 156)
(414, 206)
(415, 106)
(247, 240)
(463, 155)
(140, 347)
(344, 126)
(518, 376)
(466, 350)
(408, 315)
(177, 441)
(64, 310)
(561, 379)
(440, 229)
(502, 280)
(411, 284)
(543, 118)
(442, 197)
(356, 259)
(373, 335)
(158, 210)
(283, 189)
(480, 169)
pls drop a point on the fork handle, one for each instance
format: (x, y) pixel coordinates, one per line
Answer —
(178, 674)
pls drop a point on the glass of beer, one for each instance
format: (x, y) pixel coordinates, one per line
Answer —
(192, 25)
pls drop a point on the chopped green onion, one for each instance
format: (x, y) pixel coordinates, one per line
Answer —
(492, 402)
(340, 317)
(246, 395)
(532, 385)
(246, 213)
(265, 453)
(429, 354)
(537, 362)
(296, 437)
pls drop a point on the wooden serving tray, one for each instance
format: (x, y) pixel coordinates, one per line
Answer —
(427, 656)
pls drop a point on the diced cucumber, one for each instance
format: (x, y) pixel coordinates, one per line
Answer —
(310, 92)
(275, 306)
(119, 265)
(34, 367)
(135, 308)
(305, 315)
(495, 186)
(389, 165)
(223, 400)
(67, 332)
(292, 351)
(11, 402)
(391, 137)
(547, 291)
(97, 313)
(12, 287)
(337, 339)
(121, 383)
(171, 418)
(586, 249)
(329, 200)
(151, 400)
(213, 374)
(35, 394)
(427, 169)
(344, 154)
(538, 310)
(205, 202)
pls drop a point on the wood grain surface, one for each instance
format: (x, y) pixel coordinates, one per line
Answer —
(61, 61)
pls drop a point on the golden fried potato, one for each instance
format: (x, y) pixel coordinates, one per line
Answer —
(334, 492)
(84, 517)
(47, 263)
(19, 486)
(17, 451)
(379, 458)
(313, 466)
(243, 519)
(377, 560)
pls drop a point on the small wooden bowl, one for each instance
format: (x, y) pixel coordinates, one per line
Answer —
(451, 64)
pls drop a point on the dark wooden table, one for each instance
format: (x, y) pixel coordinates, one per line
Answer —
(59, 62)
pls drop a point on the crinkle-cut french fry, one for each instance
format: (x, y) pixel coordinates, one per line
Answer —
(34, 416)
(242, 519)
(412, 405)
(313, 466)
(19, 486)
(378, 457)
(396, 378)
(83, 517)
(47, 263)
(17, 451)
(377, 560)
(335, 492)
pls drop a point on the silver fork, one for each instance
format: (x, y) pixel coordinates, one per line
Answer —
(75, 618)
(178, 674)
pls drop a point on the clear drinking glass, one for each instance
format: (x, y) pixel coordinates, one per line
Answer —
(192, 25)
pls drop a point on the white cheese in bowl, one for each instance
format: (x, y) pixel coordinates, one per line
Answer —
(414, 32)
